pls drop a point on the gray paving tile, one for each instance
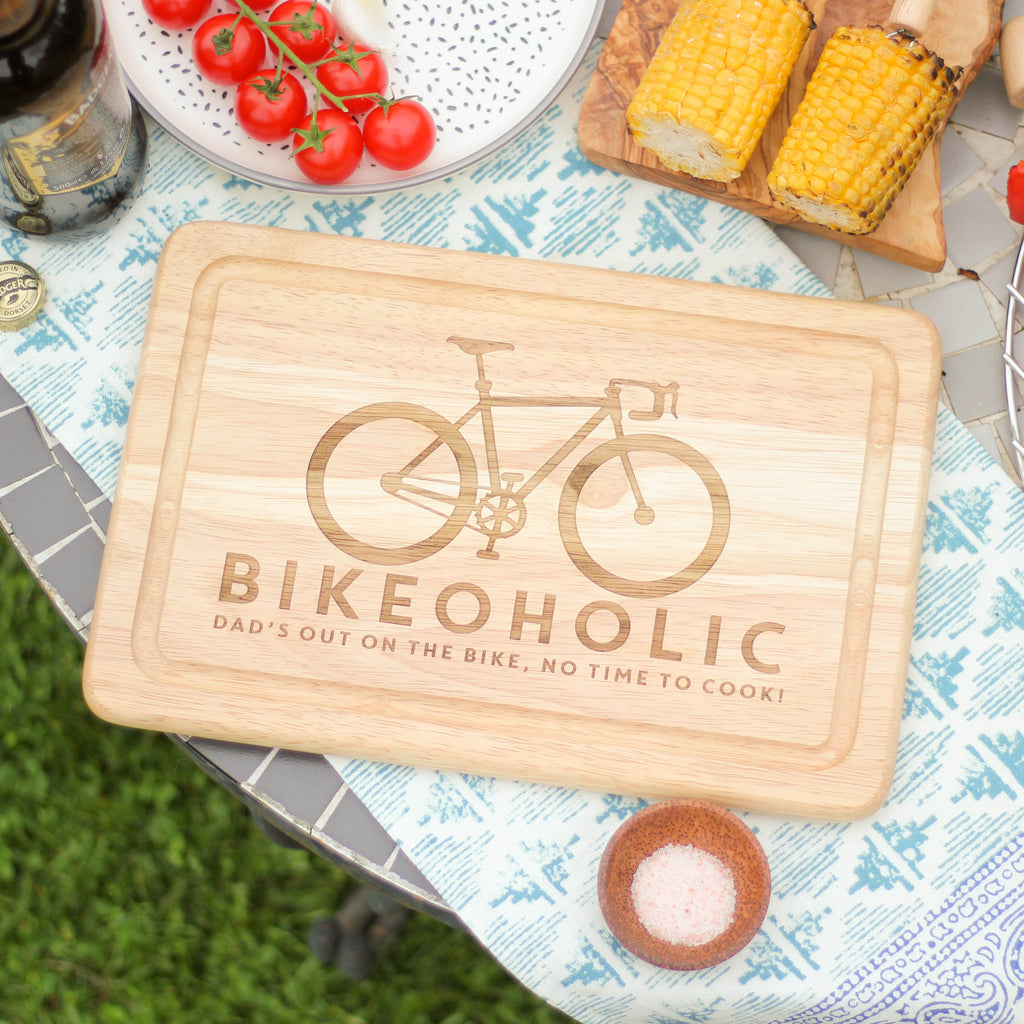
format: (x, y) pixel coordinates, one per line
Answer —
(236, 760)
(984, 434)
(40, 511)
(304, 783)
(80, 480)
(821, 255)
(404, 868)
(879, 275)
(1017, 348)
(975, 228)
(354, 827)
(1001, 426)
(998, 180)
(997, 277)
(957, 161)
(74, 572)
(960, 313)
(9, 398)
(608, 14)
(1004, 431)
(986, 108)
(101, 513)
(974, 381)
(23, 451)
(1011, 9)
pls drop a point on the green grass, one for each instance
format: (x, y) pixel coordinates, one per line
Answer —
(133, 888)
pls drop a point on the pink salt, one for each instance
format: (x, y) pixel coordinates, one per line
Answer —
(684, 895)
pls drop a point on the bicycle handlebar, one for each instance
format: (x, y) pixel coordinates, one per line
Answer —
(659, 393)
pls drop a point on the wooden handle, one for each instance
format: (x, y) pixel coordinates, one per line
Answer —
(1011, 49)
(911, 15)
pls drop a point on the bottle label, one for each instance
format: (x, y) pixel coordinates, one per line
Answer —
(83, 146)
(21, 184)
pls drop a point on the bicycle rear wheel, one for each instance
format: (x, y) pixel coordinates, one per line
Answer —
(392, 521)
(672, 454)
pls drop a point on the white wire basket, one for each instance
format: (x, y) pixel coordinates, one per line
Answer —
(1013, 371)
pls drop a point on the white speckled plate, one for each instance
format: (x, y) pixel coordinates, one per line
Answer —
(486, 69)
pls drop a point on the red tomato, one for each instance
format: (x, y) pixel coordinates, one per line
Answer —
(399, 135)
(1015, 192)
(330, 151)
(353, 71)
(176, 14)
(227, 49)
(269, 105)
(305, 27)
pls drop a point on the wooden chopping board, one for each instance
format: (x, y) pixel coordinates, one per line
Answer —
(962, 32)
(680, 559)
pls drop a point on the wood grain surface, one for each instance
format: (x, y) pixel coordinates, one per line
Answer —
(962, 32)
(530, 520)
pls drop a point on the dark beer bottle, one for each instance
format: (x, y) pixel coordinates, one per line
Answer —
(72, 141)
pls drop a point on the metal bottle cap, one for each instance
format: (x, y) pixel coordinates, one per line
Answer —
(21, 295)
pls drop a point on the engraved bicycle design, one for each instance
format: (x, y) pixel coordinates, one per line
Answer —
(497, 506)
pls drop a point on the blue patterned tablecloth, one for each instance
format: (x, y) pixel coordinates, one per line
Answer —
(915, 914)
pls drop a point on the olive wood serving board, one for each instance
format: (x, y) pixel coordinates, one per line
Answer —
(962, 32)
(308, 548)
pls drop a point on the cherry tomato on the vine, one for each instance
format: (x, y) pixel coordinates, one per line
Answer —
(307, 28)
(227, 49)
(268, 104)
(1015, 192)
(399, 135)
(329, 151)
(176, 14)
(348, 72)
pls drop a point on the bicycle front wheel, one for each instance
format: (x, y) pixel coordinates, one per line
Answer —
(633, 505)
(382, 476)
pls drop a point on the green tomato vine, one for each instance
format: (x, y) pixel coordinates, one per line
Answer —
(307, 24)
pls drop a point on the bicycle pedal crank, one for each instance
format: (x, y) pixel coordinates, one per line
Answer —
(500, 515)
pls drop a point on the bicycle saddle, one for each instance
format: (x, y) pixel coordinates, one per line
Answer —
(477, 347)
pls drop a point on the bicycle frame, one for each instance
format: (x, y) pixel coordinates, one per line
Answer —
(497, 508)
(607, 407)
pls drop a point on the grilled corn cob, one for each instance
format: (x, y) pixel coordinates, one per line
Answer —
(714, 80)
(871, 107)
